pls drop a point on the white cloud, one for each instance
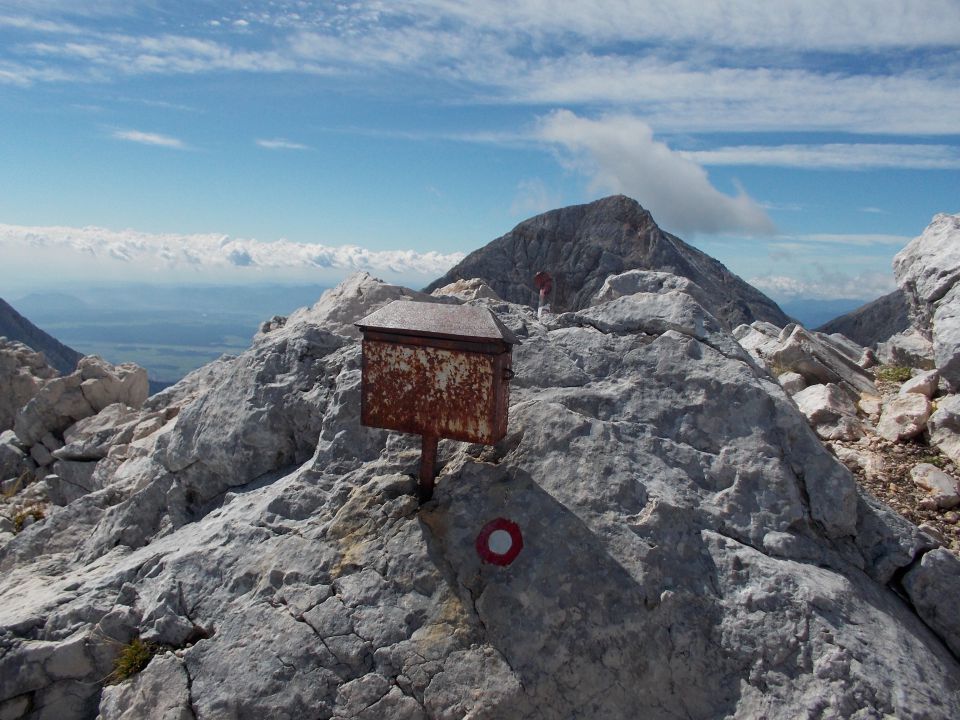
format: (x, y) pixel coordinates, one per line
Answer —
(828, 286)
(145, 138)
(281, 144)
(834, 156)
(129, 254)
(619, 154)
(702, 64)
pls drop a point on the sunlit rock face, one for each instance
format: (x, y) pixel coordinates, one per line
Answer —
(689, 547)
(927, 270)
(582, 245)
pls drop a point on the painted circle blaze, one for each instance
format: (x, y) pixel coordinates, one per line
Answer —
(499, 542)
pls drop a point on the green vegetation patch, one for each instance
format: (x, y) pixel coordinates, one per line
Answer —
(892, 373)
(133, 657)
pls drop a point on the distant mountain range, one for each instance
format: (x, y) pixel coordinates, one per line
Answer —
(15, 326)
(582, 245)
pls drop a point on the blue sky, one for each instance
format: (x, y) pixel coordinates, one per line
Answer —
(801, 143)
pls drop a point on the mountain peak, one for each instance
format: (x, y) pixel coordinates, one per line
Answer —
(582, 245)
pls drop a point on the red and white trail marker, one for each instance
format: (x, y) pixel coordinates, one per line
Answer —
(499, 542)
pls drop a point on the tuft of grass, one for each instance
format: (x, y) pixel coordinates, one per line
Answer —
(35, 512)
(938, 460)
(133, 657)
(26, 477)
(892, 373)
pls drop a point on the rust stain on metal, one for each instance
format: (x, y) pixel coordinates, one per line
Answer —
(438, 371)
(434, 391)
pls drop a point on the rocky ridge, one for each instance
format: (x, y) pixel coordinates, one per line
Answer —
(582, 245)
(15, 327)
(690, 546)
(875, 322)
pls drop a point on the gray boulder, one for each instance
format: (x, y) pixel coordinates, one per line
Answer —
(927, 270)
(941, 487)
(925, 383)
(689, 548)
(933, 586)
(819, 359)
(904, 417)
(944, 427)
(907, 349)
(63, 401)
(22, 373)
(830, 412)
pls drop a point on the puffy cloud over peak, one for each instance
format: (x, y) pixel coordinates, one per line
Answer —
(619, 154)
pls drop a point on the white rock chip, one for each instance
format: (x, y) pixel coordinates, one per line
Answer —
(924, 383)
(830, 412)
(942, 487)
(792, 382)
(473, 289)
(904, 417)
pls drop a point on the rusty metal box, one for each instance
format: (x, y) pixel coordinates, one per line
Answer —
(442, 371)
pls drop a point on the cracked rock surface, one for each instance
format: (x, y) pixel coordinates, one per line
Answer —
(690, 548)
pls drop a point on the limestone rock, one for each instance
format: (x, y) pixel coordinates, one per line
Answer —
(944, 427)
(160, 692)
(830, 412)
(65, 400)
(761, 340)
(690, 548)
(791, 382)
(904, 417)
(924, 383)
(870, 462)
(946, 333)
(942, 488)
(871, 405)
(472, 289)
(22, 374)
(352, 300)
(12, 456)
(933, 586)
(907, 349)
(820, 362)
(928, 267)
(647, 281)
(927, 270)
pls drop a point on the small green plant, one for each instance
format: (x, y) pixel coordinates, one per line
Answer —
(20, 518)
(892, 373)
(938, 460)
(133, 657)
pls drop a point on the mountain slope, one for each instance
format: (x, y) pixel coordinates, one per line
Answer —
(581, 245)
(15, 326)
(687, 547)
(874, 322)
